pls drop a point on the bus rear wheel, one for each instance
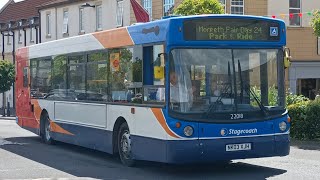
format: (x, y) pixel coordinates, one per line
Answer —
(46, 135)
(124, 145)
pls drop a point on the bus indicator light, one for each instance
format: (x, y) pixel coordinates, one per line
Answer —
(178, 125)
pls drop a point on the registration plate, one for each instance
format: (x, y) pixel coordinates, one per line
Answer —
(238, 147)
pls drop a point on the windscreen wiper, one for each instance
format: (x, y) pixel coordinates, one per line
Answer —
(262, 107)
(251, 92)
(218, 101)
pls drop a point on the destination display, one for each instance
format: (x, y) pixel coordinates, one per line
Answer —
(231, 30)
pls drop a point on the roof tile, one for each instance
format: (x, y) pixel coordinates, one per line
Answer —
(21, 10)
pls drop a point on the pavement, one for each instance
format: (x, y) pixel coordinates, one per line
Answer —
(24, 156)
(7, 118)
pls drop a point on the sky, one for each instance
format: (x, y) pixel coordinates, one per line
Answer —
(3, 2)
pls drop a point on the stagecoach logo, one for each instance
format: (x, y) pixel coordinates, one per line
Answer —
(155, 30)
(238, 132)
(224, 132)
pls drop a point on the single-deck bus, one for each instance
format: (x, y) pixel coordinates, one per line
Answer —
(177, 90)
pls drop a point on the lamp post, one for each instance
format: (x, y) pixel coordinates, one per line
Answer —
(10, 33)
(84, 5)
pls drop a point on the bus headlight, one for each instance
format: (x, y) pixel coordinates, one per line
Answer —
(283, 126)
(188, 131)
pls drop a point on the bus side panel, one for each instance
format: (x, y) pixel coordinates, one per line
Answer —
(24, 110)
(79, 123)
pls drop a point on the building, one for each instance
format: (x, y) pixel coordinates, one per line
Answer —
(67, 18)
(304, 73)
(303, 77)
(19, 27)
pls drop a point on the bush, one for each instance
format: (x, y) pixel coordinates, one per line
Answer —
(295, 99)
(297, 113)
(305, 119)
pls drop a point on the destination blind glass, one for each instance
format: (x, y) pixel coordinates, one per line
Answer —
(216, 29)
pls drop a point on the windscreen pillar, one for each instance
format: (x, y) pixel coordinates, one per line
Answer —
(264, 78)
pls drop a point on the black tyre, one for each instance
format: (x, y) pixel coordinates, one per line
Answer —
(46, 130)
(124, 146)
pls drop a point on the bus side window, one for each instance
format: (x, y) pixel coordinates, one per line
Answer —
(125, 74)
(25, 77)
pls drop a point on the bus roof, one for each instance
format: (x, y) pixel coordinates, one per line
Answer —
(164, 30)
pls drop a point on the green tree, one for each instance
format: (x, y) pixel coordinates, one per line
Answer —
(315, 22)
(196, 7)
(7, 74)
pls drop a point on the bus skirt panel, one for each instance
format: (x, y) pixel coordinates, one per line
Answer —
(208, 150)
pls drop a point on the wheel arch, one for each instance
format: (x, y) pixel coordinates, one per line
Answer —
(43, 113)
(120, 120)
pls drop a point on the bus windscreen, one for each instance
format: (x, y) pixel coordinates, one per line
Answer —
(231, 29)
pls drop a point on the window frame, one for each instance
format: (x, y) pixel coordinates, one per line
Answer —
(98, 18)
(300, 18)
(19, 32)
(167, 3)
(147, 8)
(119, 13)
(65, 21)
(48, 24)
(81, 20)
(8, 37)
(231, 6)
(224, 5)
(31, 31)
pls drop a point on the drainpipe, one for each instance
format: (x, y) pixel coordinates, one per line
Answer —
(25, 36)
(3, 95)
(37, 38)
(2, 45)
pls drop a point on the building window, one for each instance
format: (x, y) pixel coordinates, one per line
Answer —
(81, 20)
(99, 17)
(223, 4)
(147, 5)
(19, 32)
(168, 6)
(8, 37)
(295, 10)
(120, 13)
(237, 7)
(31, 35)
(48, 25)
(65, 22)
(31, 30)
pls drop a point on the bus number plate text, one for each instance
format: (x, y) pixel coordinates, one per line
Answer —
(238, 147)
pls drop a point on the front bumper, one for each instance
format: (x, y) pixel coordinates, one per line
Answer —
(211, 150)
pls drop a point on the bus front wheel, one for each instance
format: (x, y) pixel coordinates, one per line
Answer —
(124, 145)
(46, 128)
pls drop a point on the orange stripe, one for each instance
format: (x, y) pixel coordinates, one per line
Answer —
(158, 113)
(56, 128)
(114, 38)
(37, 109)
(37, 114)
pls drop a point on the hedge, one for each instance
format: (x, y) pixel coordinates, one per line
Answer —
(305, 120)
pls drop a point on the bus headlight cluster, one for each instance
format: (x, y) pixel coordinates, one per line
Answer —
(188, 131)
(283, 126)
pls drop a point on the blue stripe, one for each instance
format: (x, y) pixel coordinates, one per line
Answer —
(88, 137)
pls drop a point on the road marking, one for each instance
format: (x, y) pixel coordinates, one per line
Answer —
(5, 142)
